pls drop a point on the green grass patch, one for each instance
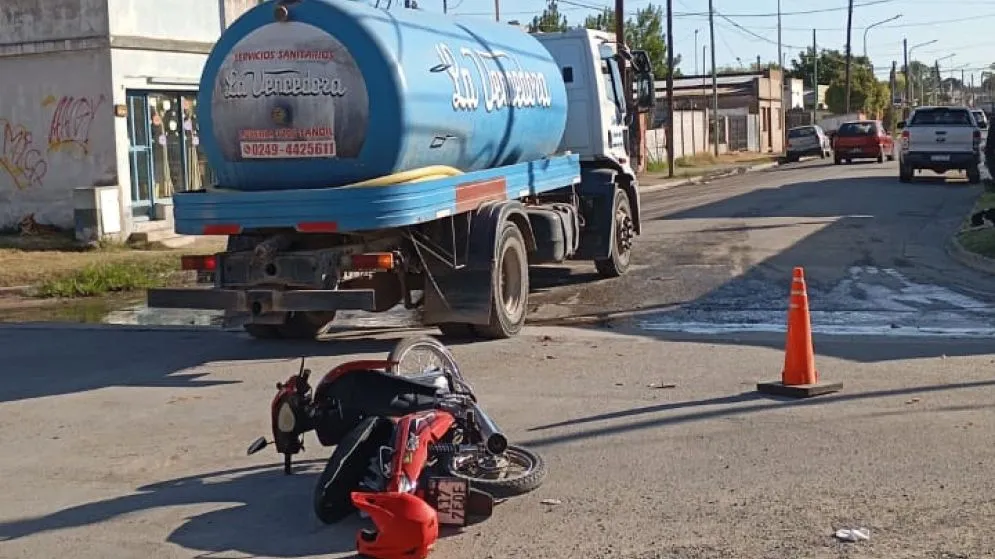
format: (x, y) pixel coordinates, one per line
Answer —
(979, 241)
(111, 277)
(698, 160)
(656, 167)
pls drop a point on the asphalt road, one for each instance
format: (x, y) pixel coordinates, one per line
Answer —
(720, 256)
(130, 442)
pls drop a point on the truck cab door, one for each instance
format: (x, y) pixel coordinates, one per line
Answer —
(614, 108)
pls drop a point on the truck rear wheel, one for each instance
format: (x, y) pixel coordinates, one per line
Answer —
(973, 175)
(904, 173)
(509, 285)
(304, 325)
(297, 326)
(623, 231)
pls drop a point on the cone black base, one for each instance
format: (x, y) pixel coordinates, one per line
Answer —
(778, 388)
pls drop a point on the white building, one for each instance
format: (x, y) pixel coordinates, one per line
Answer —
(794, 94)
(101, 95)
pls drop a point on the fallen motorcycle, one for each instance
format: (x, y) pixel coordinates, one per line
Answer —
(422, 433)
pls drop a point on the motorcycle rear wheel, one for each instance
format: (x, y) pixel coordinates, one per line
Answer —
(528, 481)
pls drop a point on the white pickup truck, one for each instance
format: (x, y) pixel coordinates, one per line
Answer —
(940, 139)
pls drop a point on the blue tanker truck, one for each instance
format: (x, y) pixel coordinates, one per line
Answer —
(367, 158)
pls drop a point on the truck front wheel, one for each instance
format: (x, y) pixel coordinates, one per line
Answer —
(623, 231)
(509, 285)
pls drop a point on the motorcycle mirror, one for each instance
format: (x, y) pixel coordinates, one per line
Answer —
(257, 445)
(301, 371)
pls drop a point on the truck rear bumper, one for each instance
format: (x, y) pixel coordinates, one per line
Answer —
(263, 301)
(944, 160)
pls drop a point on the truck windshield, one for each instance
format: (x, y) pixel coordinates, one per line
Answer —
(941, 116)
(854, 129)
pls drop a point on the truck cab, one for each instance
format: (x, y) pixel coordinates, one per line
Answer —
(599, 114)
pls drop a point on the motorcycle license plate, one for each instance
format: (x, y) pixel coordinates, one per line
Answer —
(448, 495)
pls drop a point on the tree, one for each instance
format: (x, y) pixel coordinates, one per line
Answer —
(605, 21)
(550, 20)
(832, 65)
(867, 94)
(642, 32)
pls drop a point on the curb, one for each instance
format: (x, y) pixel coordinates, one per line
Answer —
(667, 185)
(16, 291)
(969, 259)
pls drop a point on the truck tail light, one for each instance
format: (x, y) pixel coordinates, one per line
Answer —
(200, 263)
(374, 261)
(977, 140)
(222, 229)
(905, 140)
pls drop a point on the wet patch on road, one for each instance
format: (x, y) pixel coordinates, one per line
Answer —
(867, 301)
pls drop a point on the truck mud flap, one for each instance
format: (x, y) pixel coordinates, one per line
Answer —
(262, 301)
(463, 294)
(597, 189)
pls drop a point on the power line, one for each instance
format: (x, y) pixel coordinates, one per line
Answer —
(751, 33)
(895, 26)
(796, 13)
(576, 4)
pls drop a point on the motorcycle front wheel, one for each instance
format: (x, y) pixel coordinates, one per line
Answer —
(515, 472)
(420, 355)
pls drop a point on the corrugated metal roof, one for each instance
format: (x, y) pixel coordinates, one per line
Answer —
(696, 81)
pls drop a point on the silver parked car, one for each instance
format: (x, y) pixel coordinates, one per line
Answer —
(807, 140)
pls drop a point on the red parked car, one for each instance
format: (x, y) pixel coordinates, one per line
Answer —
(862, 139)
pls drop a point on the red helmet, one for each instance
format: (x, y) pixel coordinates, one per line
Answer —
(406, 526)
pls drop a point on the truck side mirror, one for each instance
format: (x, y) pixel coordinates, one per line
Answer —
(645, 84)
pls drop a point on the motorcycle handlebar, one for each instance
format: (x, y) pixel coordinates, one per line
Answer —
(494, 440)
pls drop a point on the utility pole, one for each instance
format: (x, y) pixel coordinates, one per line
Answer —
(849, 56)
(670, 86)
(780, 53)
(445, 6)
(696, 52)
(815, 76)
(715, 79)
(908, 81)
(497, 11)
(973, 95)
(780, 66)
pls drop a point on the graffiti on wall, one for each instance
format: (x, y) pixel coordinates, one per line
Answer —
(72, 118)
(20, 158)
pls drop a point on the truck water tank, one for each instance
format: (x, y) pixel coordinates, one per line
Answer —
(319, 93)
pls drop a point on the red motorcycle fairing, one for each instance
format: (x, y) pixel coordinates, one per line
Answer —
(294, 393)
(413, 435)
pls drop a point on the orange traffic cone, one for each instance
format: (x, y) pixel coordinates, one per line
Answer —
(799, 378)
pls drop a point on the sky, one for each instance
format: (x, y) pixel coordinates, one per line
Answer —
(962, 28)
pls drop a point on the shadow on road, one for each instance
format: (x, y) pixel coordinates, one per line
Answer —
(53, 361)
(761, 403)
(272, 516)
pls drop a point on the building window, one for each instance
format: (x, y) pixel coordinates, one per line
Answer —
(165, 154)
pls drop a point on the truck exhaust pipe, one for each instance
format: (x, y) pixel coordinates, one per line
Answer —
(494, 441)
